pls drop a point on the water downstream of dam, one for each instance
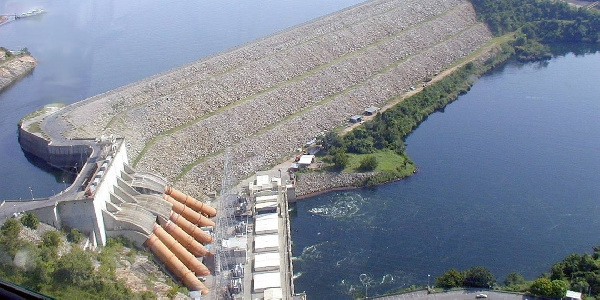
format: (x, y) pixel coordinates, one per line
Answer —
(508, 179)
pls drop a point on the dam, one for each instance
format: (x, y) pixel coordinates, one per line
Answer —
(246, 108)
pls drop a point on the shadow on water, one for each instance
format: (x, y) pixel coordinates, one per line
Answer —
(61, 176)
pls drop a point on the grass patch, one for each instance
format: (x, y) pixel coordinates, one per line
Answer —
(387, 160)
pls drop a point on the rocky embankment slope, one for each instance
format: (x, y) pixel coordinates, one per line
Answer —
(255, 104)
(14, 67)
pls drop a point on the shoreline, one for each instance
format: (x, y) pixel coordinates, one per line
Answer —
(348, 188)
(489, 51)
(13, 69)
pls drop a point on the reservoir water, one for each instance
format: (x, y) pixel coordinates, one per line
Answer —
(88, 47)
(508, 179)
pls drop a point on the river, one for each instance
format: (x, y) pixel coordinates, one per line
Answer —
(508, 179)
(88, 47)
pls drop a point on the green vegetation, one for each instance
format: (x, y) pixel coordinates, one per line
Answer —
(538, 24)
(478, 277)
(75, 236)
(543, 287)
(452, 278)
(70, 276)
(525, 28)
(580, 273)
(30, 220)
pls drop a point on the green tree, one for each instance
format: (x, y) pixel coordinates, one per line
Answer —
(452, 278)
(541, 287)
(479, 277)
(74, 267)
(51, 239)
(368, 163)
(558, 288)
(75, 236)
(9, 238)
(30, 220)
(339, 159)
(514, 279)
(330, 140)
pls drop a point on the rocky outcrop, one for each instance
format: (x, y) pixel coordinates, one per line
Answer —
(317, 182)
(13, 68)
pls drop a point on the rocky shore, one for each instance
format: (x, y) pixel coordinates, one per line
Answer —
(257, 103)
(312, 183)
(14, 67)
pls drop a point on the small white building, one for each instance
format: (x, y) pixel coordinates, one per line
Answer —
(268, 261)
(266, 224)
(266, 280)
(306, 160)
(356, 119)
(571, 295)
(266, 242)
(371, 110)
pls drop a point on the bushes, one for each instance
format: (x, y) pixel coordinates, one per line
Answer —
(479, 277)
(9, 236)
(368, 163)
(75, 236)
(545, 288)
(451, 279)
(30, 220)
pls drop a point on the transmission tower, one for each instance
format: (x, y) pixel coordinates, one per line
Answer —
(225, 229)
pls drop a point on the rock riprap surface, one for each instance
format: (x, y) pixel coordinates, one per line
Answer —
(255, 104)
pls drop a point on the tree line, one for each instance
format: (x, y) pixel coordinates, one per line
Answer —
(538, 24)
(576, 272)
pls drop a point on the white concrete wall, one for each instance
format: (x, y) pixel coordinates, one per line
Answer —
(105, 187)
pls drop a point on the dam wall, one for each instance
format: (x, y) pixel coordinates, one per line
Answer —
(257, 103)
(58, 156)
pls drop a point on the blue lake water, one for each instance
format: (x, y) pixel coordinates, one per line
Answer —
(508, 179)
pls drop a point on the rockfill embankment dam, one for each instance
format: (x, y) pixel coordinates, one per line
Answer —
(258, 102)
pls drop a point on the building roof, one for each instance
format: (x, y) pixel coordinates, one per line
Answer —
(306, 159)
(235, 242)
(273, 294)
(265, 280)
(266, 223)
(262, 180)
(267, 198)
(269, 260)
(266, 205)
(573, 295)
(371, 109)
(267, 241)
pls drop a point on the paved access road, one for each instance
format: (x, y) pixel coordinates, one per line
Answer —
(458, 295)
